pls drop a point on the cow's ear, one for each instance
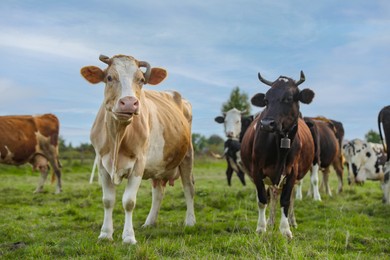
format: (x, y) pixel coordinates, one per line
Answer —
(92, 74)
(219, 119)
(157, 75)
(306, 96)
(258, 100)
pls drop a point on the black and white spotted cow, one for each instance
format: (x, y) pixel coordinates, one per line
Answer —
(235, 125)
(365, 161)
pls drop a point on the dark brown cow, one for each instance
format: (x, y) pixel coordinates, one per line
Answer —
(384, 119)
(327, 153)
(278, 148)
(34, 140)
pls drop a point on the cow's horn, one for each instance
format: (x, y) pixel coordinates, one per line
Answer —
(301, 80)
(148, 70)
(266, 82)
(105, 59)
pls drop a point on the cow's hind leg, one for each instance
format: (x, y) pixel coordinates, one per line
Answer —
(241, 176)
(40, 163)
(314, 182)
(157, 197)
(229, 173)
(325, 182)
(188, 183)
(108, 203)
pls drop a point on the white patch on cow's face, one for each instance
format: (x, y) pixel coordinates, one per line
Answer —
(123, 79)
(233, 123)
(283, 79)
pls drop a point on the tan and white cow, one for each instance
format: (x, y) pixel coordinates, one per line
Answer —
(139, 134)
(34, 140)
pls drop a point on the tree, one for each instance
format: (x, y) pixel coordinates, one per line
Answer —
(215, 139)
(237, 100)
(372, 137)
(199, 142)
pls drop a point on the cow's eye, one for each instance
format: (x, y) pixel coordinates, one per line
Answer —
(109, 78)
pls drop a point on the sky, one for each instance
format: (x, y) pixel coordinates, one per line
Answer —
(207, 47)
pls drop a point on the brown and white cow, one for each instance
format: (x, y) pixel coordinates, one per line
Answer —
(327, 143)
(278, 149)
(34, 140)
(139, 134)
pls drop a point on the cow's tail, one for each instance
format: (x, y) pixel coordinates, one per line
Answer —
(380, 132)
(93, 169)
(218, 156)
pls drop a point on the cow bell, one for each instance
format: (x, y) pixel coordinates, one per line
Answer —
(285, 143)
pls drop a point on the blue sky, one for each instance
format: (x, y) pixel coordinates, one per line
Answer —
(207, 47)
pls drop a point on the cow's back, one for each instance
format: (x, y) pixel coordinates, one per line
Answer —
(171, 116)
(17, 139)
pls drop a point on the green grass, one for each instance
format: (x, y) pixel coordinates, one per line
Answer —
(351, 225)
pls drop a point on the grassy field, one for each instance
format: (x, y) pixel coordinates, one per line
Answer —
(351, 225)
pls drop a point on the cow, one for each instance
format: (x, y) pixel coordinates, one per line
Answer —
(139, 134)
(277, 150)
(327, 152)
(235, 126)
(384, 120)
(365, 161)
(32, 139)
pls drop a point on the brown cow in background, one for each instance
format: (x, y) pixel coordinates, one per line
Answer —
(34, 140)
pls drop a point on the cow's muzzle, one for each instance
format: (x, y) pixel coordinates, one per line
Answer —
(126, 108)
(268, 125)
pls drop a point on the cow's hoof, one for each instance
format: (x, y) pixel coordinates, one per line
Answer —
(129, 240)
(38, 191)
(105, 236)
(287, 233)
(261, 230)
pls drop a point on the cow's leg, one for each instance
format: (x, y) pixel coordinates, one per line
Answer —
(157, 197)
(40, 163)
(314, 182)
(241, 176)
(229, 173)
(338, 166)
(187, 180)
(261, 200)
(108, 203)
(325, 181)
(285, 198)
(128, 201)
(386, 184)
(291, 213)
(298, 191)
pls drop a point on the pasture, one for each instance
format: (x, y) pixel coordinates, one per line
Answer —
(351, 225)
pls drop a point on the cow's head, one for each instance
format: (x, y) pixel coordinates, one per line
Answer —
(232, 122)
(124, 80)
(281, 103)
(359, 156)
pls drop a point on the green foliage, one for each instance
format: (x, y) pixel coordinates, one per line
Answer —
(373, 137)
(351, 225)
(238, 100)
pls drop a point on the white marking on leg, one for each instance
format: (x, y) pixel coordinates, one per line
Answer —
(284, 227)
(262, 221)
(128, 201)
(298, 193)
(314, 182)
(108, 202)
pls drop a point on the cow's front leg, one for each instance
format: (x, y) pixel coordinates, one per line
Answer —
(128, 201)
(108, 202)
(285, 198)
(261, 200)
(157, 197)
